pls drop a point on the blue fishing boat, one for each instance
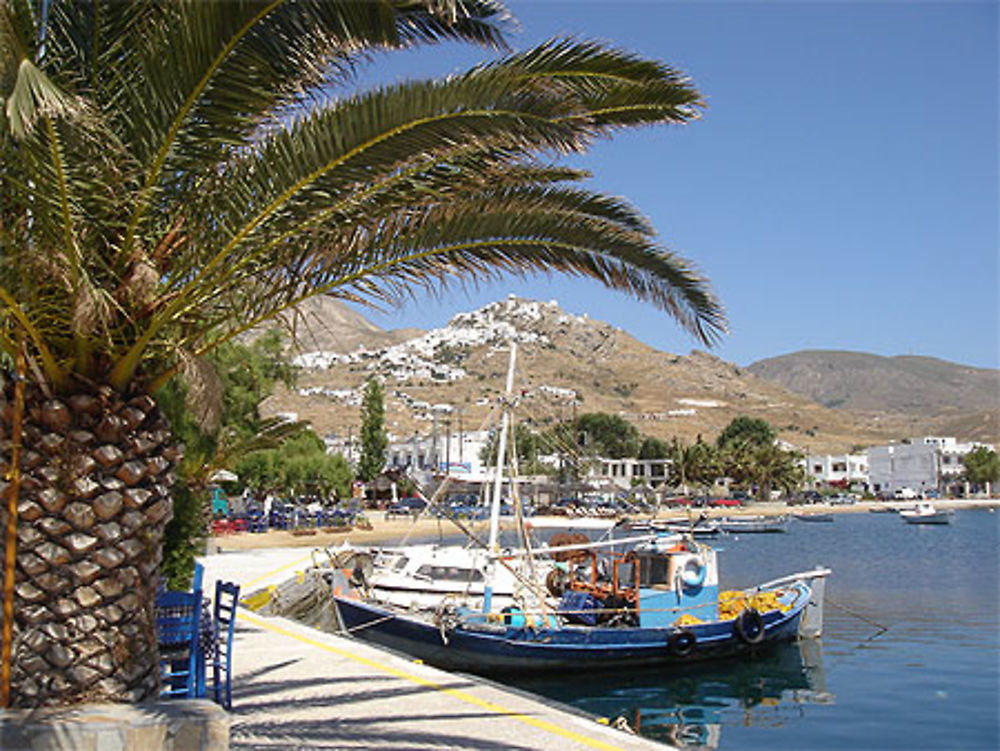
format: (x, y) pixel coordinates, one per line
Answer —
(660, 604)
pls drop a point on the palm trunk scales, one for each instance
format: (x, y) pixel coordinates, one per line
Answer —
(96, 468)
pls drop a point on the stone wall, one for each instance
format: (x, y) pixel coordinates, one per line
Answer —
(184, 725)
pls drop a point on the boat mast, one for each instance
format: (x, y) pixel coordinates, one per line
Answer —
(494, 544)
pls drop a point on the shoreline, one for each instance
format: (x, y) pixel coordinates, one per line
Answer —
(399, 531)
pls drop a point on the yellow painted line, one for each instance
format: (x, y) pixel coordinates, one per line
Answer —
(278, 570)
(454, 693)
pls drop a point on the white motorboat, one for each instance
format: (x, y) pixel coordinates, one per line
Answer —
(926, 513)
(421, 576)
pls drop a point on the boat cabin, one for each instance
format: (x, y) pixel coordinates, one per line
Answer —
(675, 578)
(652, 586)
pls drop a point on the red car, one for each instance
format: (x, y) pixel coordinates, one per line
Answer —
(678, 501)
(724, 502)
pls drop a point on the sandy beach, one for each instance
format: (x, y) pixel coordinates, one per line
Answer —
(401, 530)
(383, 531)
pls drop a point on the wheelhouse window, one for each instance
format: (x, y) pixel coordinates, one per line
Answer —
(652, 571)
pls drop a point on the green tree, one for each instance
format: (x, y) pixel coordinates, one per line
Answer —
(744, 429)
(248, 374)
(697, 465)
(374, 442)
(982, 466)
(299, 466)
(216, 414)
(772, 467)
(159, 198)
(654, 448)
(736, 460)
(527, 446)
(610, 436)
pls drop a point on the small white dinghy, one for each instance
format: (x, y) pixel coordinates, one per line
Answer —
(926, 513)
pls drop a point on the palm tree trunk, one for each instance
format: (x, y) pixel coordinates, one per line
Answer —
(94, 499)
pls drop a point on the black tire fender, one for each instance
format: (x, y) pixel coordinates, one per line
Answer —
(750, 626)
(682, 642)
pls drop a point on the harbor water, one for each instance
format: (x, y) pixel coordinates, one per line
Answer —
(909, 658)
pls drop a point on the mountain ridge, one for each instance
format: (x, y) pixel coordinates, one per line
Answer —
(453, 376)
(865, 381)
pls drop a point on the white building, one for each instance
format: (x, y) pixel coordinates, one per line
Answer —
(627, 473)
(928, 463)
(904, 465)
(455, 453)
(842, 470)
(952, 453)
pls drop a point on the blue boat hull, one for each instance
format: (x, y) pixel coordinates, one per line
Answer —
(489, 648)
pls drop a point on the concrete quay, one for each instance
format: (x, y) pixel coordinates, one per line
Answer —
(298, 688)
(178, 725)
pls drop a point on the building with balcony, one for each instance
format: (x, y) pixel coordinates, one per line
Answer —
(841, 471)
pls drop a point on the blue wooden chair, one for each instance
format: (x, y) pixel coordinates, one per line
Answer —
(178, 621)
(227, 596)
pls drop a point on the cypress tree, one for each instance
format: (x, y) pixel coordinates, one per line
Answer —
(373, 439)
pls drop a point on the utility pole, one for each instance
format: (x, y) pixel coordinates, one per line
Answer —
(435, 456)
(447, 446)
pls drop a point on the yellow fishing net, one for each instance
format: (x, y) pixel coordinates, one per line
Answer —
(732, 603)
(688, 620)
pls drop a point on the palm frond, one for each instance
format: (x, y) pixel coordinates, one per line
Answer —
(273, 432)
(339, 151)
(201, 78)
(159, 197)
(521, 230)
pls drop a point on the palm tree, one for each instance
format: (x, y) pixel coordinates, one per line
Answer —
(697, 464)
(173, 174)
(772, 467)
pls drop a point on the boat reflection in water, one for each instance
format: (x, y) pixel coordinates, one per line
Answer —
(687, 710)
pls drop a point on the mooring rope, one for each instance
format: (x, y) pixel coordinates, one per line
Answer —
(880, 626)
(363, 626)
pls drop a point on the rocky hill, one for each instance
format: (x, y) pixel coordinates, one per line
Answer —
(453, 376)
(324, 324)
(948, 398)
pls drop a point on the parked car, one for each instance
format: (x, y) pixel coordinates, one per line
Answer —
(724, 502)
(406, 507)
(678, 501)
(840, 499)
(805, 497)
(905, 494)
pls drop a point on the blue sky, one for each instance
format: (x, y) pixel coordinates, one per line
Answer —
(841, 190)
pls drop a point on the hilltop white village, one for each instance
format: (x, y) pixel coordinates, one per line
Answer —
(925, 464)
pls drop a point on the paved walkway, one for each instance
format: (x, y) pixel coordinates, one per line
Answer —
(298, 688)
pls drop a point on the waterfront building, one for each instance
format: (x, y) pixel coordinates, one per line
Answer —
(451, 453)
(838, 471)
(628, 472)
(930, 463)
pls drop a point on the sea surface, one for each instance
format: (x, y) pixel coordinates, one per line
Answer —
(909, 658)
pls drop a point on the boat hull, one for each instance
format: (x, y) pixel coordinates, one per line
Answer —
(926, 513)
(488, 648)
(938, 518)
(766, 525)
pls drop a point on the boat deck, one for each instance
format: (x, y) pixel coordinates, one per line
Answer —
(296, 687)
